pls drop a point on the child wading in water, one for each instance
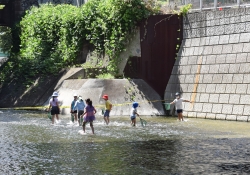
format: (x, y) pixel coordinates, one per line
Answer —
(108, 107)
(54, 106)
(79, 106)
(74, 111)
(178, 105)
(89, 115)
(134, 113)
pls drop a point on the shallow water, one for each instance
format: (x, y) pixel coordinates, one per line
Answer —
(29, 144)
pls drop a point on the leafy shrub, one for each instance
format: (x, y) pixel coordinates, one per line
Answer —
(52, 35)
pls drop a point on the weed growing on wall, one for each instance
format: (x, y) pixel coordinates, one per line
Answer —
(183, 9)
(111, 22)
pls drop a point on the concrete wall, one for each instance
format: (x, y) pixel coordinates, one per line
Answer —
(212, 68)
(121, 93)
(133, 48)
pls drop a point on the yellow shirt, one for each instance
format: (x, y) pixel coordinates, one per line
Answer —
(108, 105)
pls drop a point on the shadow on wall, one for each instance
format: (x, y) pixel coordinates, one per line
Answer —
(185, 75)
(146, 93)
(17, 94)
(174, 85)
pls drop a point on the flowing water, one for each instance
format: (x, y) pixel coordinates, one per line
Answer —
(29, 144)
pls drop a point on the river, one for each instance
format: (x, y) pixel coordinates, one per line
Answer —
(29, 144)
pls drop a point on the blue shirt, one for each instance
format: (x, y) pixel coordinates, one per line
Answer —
(79, 105)
(73, 103)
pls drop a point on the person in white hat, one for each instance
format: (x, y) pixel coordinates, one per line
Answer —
(79, 106)
(54, 106)
(74, 111)
(178, 105)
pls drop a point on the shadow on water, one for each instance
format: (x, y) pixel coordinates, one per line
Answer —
(105, 158)
(29, 144)
(235, 167)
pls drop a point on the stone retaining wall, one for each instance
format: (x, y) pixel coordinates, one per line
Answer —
(213, 65)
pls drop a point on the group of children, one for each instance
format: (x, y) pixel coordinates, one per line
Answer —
(87, 113)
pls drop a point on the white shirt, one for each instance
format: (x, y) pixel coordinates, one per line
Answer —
(133, 111)
(178, 103)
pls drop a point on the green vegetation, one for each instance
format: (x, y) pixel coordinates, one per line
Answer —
(183, 9)
(5, 39)
(105, 76)
(2, 7)
(52, 36)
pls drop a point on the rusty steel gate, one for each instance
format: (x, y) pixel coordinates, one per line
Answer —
(160, 37)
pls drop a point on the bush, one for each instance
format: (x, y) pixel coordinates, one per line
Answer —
(52, 35)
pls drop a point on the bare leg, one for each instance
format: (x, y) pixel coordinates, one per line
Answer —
(53, 118)
(83, 126)
(75, 117)
(181, 116)
(57, 116)
(106, 120)
(133, 122)
(92, 127)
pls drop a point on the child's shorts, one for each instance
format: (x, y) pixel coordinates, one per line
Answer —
(132, 117)
(80, 113)
(106, 113)
(54, 110)
(179, 111)
(74, 112)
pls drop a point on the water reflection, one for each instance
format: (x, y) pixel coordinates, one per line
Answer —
(29, 144)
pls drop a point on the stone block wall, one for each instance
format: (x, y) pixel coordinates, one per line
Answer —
(213, 65)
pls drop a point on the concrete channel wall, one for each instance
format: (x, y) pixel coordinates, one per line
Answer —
(213, 65)
(121, 93)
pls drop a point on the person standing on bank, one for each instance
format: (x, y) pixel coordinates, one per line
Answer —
(108, 107)
(54, 106)
(178, 105)
(79, 106)
(73, 111)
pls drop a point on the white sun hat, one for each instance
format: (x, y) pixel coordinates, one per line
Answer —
(55, 94)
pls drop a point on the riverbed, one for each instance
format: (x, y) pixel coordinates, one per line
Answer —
(29, 144)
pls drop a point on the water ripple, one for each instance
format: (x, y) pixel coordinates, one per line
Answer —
(29, 144)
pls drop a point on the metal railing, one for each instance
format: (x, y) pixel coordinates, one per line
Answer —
(209, 4)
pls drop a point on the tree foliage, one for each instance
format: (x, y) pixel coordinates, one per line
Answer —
(52, 35)
(5, 39)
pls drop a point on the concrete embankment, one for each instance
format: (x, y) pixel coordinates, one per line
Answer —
(121, 93)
